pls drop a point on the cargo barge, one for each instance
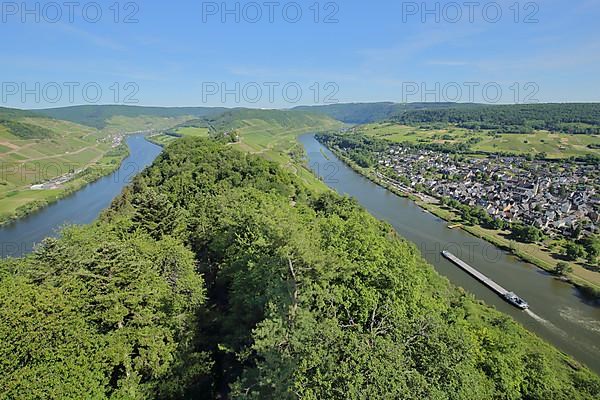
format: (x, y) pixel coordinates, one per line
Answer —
(505, 294)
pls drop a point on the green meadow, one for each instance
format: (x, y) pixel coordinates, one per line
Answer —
(555, 145)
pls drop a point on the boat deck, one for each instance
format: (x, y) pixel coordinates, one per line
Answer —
(478, 275)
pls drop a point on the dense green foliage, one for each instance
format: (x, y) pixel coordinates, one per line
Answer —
(216, 273)
(362, 113)
(526, 233)
(361, 149)
(356, 113)
(102, 311)
(516, 118)
(25, 130)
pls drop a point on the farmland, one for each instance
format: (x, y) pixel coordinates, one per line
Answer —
(36, 150)
(26, 162)
(555, 145)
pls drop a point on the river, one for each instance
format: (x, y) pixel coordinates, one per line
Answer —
(558, 314)
(81, 207)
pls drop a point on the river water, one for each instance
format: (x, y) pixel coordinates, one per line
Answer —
(557, 312)
(81, 207)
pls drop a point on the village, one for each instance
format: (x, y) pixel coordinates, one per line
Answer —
(558, 197)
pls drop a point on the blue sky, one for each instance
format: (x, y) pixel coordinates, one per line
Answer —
(183, 54)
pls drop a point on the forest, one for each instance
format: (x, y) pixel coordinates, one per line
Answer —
(24, 130)
(217, 274)
(576, 118)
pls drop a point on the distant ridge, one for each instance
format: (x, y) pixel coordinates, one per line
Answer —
(363, 113)
(555, 115)
(96, 116)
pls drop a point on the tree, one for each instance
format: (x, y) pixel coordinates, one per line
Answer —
(526, 233)
(574, 251)
(592, 248)
(254, 288)
(563, 268)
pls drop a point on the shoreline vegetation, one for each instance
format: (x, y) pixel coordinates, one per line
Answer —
(87, 176)
(219, 274)
(522, 251)
(268, 132)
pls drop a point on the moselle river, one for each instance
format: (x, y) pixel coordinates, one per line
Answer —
(557, 314)
(81, 207)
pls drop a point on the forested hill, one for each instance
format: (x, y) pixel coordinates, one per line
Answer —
(217, 275)
(514, 118)
(362, 113)
(16, 123)
(291, 120)
(97, 116)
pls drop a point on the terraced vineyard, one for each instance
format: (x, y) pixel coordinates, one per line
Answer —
(68, 148)
(269, 133)
(57, 157)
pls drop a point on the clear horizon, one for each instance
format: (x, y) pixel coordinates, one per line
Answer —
(249, 54)
(290, 108)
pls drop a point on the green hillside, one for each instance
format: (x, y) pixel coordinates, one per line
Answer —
(270, 133)
(451, 136)
(362, 113)
(514, 118)
(13, 113)
(97, 116)
(217, 274)
(12, 121)
(36, 149)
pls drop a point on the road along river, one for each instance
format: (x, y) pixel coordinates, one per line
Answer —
(558, 314)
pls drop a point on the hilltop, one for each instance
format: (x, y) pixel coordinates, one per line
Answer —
(217, 274)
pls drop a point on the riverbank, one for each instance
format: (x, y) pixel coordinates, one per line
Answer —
(81, 207)
(106, 165)
(559, 313)
(587, 282)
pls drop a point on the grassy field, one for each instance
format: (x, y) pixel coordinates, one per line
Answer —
(192, 131)
(555, 145)
(163, 139)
